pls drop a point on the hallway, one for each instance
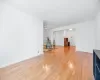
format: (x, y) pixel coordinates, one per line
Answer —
(58, 64)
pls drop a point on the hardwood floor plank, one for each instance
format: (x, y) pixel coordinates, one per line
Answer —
(62, 63)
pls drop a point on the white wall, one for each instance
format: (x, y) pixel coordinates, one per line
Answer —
(70, 34)
(84, 35)
(59, 38)
(21, 35)
(39, 36)
(98, 32)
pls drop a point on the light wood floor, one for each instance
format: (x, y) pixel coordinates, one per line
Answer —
(59, 64)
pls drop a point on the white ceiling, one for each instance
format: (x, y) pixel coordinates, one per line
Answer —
(58, 12)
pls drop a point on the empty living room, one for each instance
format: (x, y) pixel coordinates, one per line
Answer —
(49, 39)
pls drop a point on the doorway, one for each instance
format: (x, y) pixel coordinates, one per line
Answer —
(64, 37)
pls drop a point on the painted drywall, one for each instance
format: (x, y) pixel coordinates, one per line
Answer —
(84, 35)
(98, 32)
(21, 35)
(59, 38)
(70, 34)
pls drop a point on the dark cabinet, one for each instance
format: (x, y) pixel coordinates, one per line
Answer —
(96, 64)
(65, 41)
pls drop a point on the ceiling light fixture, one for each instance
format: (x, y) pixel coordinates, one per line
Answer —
(70, 29)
